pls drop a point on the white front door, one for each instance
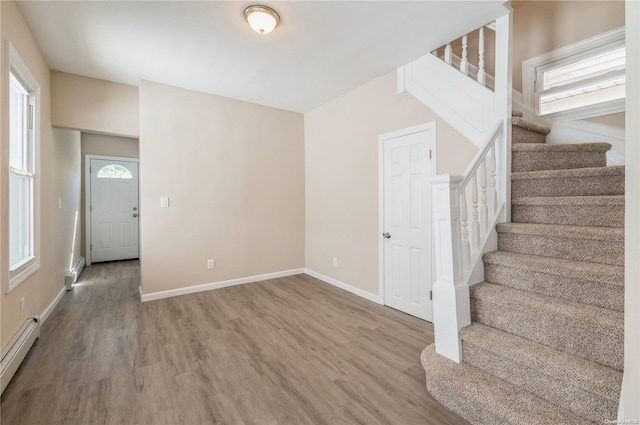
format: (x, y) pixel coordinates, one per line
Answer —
(407, 165)
(114, 210)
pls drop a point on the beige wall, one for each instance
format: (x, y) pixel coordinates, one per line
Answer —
(94, 106)
(102, 144)
(60, 178)
(542, 26)
(341, 151)
(234, 173)
(65, 163)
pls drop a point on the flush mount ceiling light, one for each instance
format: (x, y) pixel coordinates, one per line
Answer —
(262, 19)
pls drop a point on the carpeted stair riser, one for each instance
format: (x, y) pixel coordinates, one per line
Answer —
(571, 215)
(569, 288)
(473, 410)
(522, 135)
(603, 247)
(483, 399)
(584, 331)
(583, 387)
(534, 157)
(603, 181)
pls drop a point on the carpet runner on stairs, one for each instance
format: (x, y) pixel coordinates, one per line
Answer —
(546, 341)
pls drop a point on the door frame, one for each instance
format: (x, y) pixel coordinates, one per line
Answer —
(430, 126)
(87, 198)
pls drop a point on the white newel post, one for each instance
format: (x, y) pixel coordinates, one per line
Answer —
(502, 107)
(451, 305)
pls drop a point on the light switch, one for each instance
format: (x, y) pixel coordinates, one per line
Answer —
(164, 202)
(59, 203)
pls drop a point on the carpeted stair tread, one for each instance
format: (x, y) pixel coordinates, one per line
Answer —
(592, 181)
(584, 387)
(515, 113)
(482, 398)
(543, 156)
(604, 273)
(612, 200)
(572, 173)
(560, 231)
(525, 124)
(595, 211)
(599, 285)
(604, 245)
(593, 333)
(566, 147)
(579, 372)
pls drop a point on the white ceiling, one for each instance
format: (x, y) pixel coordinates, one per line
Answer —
(320, 50)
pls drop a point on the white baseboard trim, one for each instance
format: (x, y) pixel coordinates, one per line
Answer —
(47, 311)
(356, 291)
(216, 285)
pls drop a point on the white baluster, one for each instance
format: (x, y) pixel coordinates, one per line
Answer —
(493, 201)
(475, 225)
(481, 75)
(464, 65)
(447, 54)
(466, 251)
(484, 221)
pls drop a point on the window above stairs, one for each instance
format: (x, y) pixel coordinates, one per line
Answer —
(582, 80)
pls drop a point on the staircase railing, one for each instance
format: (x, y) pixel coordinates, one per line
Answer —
(466, 208)
(461, 238)
(462, 63)
(462, 92)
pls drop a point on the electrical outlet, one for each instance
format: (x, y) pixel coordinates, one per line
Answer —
(335, 261)
(211, 264)
(22, 303)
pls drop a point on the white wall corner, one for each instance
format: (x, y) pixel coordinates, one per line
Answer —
(400, 87)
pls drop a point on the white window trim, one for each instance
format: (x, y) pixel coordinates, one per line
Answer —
(530, 66)
(13, 62)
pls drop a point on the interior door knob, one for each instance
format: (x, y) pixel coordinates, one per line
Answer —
(386, 235)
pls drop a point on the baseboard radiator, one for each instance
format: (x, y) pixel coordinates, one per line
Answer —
(17, 350)
(74, 273)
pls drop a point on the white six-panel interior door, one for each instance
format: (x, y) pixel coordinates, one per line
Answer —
(408, 161)
(113, 209)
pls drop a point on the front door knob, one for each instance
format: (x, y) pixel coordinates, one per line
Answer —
(386, 235)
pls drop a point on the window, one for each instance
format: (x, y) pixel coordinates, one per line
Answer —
(579, 81)
(23, 178)
(114, 171)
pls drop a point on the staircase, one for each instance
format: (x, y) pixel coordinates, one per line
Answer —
(545, 344)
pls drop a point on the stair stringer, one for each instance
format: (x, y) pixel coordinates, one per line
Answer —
(463, 103)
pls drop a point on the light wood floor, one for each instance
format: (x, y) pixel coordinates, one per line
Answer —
(285, 351)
